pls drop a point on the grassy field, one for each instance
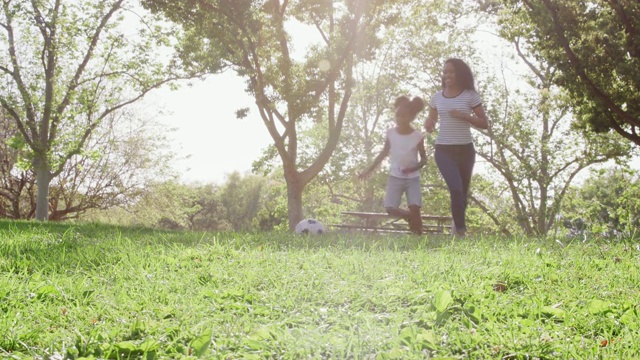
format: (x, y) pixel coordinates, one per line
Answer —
(91, 291)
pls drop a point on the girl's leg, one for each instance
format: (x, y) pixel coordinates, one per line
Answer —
(399, 212)
(415, 222)
(447, 162)
(395, 189)
(414, 201)
(393, 192)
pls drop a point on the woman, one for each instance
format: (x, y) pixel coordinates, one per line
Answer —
(458, 107)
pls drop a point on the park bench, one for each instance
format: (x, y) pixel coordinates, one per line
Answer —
(385, 223)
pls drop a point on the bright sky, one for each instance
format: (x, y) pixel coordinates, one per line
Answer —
(210, 141)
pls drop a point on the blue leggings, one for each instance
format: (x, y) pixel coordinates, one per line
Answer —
(455, 163)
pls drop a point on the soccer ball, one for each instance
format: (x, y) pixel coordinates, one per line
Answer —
(309, 226)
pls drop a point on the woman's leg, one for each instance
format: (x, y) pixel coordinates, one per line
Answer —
(467, 161)
(447, 162)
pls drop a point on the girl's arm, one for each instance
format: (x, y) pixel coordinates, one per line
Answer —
(478, 121)
(385, 151)
(432, 119)
(423, 154)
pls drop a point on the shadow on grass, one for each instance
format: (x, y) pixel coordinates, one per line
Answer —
(53, 246)
(52, 234)
(60, 228)
(48, 241)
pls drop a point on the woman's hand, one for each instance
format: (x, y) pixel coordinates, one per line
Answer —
(458, 114)
(479, 120)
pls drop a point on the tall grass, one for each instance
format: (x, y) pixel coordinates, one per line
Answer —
(92, 291)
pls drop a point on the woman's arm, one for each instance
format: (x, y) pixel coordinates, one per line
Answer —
(478, 120)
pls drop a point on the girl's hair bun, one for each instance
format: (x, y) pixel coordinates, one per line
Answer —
(401, 101)
(412, 106)
(417, 104)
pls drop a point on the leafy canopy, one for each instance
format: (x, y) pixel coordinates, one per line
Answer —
(595, 45)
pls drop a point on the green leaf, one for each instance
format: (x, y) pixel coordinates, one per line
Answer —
(201, 344)
(48, 291)
(596, 306)
(426, 339)
(551, 311)
(394, 353)
(149, 345)
(473, 313)
(442, 300)
(254, 344)
(630, 319)
(407, 334)
(126, 346)
(263, 333)
(418, 338)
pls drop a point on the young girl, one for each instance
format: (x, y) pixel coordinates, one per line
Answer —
(459, 107)
(403, 144)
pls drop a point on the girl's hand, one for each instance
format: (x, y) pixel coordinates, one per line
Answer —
(363, 175)
(409, 170)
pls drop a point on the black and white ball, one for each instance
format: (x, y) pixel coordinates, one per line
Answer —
(310, 226)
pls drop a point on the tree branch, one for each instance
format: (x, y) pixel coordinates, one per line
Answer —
(579, 68)
(629, 27)
(30, 121)
(73, 84)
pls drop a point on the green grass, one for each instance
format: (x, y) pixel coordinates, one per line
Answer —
(73, 291)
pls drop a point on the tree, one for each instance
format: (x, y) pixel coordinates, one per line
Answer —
(596, 47)
(535, 151)
(65, 67)
(167, 204)
(121, 157)
(242, 203)
(607, 203)
(17, 186)
(211, 214)
(242, 197)
(256, 39)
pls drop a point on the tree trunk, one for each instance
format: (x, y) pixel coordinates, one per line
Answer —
(43, 178)
(294, 200)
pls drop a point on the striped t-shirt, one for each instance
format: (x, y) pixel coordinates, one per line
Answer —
(454, 131)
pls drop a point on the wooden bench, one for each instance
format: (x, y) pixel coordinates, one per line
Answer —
(385, 223)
